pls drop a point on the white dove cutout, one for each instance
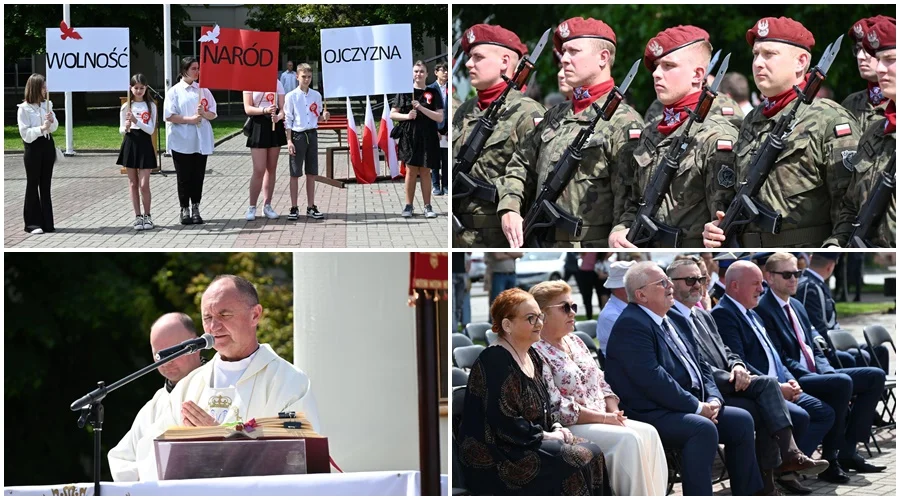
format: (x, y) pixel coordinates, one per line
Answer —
(211, 36)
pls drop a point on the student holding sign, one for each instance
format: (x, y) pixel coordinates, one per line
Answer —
(419, 114)
(266, 112)
(36, 124)
(189, 109)
(137, 119)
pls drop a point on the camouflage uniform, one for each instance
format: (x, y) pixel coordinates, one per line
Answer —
(859, 106)
(593, 191)
(517, 118)
(704, 182)
(723, 106)
(809, 177)
(874, 151)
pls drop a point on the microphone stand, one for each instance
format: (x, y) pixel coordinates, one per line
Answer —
(91, 407)
(159, 99)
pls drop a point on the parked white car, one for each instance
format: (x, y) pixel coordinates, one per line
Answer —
(535, 267)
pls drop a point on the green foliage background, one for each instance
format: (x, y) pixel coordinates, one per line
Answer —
(76, 318)
(727, 25)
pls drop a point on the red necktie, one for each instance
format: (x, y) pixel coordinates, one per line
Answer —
(809, 361)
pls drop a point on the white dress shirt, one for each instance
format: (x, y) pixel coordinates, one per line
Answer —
(760, 336)
(182, 99)
(31, 117)
(794, 321)
(288, 80)
(146, 117)
(302, 109)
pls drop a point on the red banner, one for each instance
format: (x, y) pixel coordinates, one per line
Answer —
(428, 271)
(233, 59)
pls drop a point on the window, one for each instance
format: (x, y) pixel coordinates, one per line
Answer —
(15, 75)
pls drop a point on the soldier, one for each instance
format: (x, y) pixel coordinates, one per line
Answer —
(678, 58)
(877, 144)
(589, 51)
(724, 105)
(866, 105)
(812, 173)
(493, 52)
(735, 86)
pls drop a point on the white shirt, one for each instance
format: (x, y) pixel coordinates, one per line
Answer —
(146, 117)
(794, 321)
(607, 318)
(227, 373)
(302, 109)
(266, 99)
(288, 80)
(182, 99)
(31, 117)
(757, 329)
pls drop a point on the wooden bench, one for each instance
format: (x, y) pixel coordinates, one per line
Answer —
(329, 167)
(337, 123)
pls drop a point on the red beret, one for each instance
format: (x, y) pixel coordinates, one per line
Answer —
(670, 40)
(858, 31)
(578, 27)
(494, 35)
(881, 35)
(782, 29)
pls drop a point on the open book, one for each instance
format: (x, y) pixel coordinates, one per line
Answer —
(292, 425)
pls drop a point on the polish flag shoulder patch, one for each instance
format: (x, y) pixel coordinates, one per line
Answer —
(634, 133)
(842, 130)
(723, 145)
(727, 111)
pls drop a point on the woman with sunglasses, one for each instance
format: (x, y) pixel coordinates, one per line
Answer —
(509, 441)
(586, 404)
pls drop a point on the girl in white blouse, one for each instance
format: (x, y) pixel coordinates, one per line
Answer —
(136, 124)
(36, 122)
(189, 109)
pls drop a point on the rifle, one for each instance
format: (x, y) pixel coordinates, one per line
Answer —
(646, 229)
(873, 209)
(544, 214)
(464, 185)
(745, 208)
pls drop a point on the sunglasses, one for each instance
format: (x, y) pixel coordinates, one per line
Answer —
(533, 319)
(665, 283)
(567, 307)
(788, 274)
(692, 280)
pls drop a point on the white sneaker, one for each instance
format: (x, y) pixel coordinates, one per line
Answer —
(270, 213)
(38, 231)
(251, 213)
(139, 223)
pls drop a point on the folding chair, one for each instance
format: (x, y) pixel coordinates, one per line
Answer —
(465, 356)
(475, 331)
(588, 326)
(877, 335)
(460, 340)
(492, 337)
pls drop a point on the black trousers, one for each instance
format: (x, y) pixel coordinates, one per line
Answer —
(439, 178)
(190, 170)
(40, 156)
(588, 281)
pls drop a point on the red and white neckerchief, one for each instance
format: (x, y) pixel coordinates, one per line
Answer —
(674, 115)
(876, 96)
(583, 97)
(890, 115)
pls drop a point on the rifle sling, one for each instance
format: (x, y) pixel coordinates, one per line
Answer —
(588, 233)
(804, 236)
(481, 221)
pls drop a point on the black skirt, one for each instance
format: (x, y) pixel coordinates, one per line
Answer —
(137, 151)
(262, 135)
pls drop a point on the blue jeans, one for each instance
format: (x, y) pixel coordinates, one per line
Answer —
(501, 282)
(462, 310)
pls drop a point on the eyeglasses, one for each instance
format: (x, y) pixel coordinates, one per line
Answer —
(567, 307)
(533, 319)
(788, 274)
(692, 280)
(665, 283)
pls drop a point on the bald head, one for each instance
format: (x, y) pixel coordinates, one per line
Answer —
(169, 330)
(743, 283)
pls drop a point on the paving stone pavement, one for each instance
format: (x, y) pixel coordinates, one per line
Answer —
(92, 208)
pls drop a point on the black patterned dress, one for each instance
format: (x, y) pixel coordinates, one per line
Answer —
(419, 144)
(501, 443)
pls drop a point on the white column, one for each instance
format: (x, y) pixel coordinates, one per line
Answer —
(354, 335)
(70, 143)
(167, 58)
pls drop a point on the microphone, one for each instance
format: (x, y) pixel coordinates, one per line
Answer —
(198, 344)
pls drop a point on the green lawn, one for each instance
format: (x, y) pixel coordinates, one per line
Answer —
(853, 308)
(106, 136)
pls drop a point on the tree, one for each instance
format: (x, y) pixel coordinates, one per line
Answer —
(76, 318)
(25, 24)
(300, 24)
(727, 25)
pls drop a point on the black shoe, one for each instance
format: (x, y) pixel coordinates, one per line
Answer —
(859, 464)
(791, 484)
(834, 473)
(295, 213)
(186, 216)
(195, 214)
(313, 212)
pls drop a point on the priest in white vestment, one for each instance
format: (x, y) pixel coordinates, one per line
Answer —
(169, 330)
(244, 380)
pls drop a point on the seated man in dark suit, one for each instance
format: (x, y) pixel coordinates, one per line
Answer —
(815, 295)
(743, 332)
(789, 328)
(760, 395)
(655, 371)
